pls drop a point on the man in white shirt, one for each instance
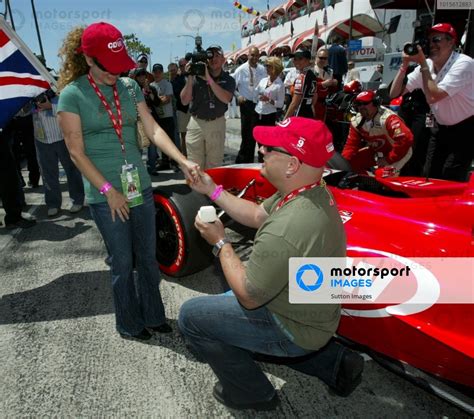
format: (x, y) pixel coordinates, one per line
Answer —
(247, 77)
(352, 73)
(446, 80)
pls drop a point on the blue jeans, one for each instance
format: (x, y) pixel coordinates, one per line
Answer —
(140, 305)
(225, 335)
(48, 156)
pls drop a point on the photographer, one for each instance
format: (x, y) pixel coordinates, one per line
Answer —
(209, 95)
(50, 149)
(446, 80)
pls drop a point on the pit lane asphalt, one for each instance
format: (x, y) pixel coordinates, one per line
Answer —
(60, 355)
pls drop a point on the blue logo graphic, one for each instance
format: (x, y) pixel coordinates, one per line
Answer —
(318, 277)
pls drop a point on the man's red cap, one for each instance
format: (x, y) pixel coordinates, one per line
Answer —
(104, 42)
(366, 96)
(307, 139)
(445, 28)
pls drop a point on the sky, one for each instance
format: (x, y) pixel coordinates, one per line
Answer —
(157, 23)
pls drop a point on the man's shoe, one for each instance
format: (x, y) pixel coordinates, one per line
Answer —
(163, 166)
(349, 375)
(52, 212)
(162, 328)
(143, 335)
(75, 208)
(21, 223)
(219, 395)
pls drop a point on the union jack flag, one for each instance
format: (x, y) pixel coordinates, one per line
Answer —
(22, 76)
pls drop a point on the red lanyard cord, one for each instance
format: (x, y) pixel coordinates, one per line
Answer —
(296, 192)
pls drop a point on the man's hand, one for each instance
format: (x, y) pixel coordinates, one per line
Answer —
(191, 172)
(203, 183)
(44, 106)
(240, 100)
(211, 232)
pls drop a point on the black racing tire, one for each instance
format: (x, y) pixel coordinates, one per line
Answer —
(180, 249)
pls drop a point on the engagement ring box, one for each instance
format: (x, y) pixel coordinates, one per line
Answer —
(207, 214)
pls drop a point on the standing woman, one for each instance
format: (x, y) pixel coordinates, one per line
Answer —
(98, 117)
(270, 93)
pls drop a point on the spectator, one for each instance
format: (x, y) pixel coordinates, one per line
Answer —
(227, 330)
(247, 77)
(337, 60)
(142, 64)
(182, 112)
(377, 136)
(50, 149)
(270, 93)
(377, 77)
(352, 73)
(326, 83)
(10, 184)
(164, 111)
(446, 80)
(210, 95)
(103, 145)
(303, 100)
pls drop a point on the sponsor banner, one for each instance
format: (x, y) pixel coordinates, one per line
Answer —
(381, 280)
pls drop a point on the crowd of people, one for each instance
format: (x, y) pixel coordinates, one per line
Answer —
(91, 128)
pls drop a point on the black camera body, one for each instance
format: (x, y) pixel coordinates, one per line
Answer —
(421, 28)
(45, 96)
(199, 59)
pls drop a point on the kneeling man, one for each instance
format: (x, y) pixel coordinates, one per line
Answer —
(299, 220)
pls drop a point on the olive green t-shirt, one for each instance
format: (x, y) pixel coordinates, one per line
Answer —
(306, 226)
(101, 142)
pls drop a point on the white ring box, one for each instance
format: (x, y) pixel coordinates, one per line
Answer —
(207, 214)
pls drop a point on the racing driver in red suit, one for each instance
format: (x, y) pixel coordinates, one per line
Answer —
(377, 137)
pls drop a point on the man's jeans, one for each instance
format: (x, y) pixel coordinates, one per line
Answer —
(224, 334)
(48, 156)
(140, 305)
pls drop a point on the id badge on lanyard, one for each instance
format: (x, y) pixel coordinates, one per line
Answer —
(131, 186)
(429, 120)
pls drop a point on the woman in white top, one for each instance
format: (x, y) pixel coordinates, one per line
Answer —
(270, 93)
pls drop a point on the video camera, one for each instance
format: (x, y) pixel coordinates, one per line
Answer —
(199, 58)
(419, 38)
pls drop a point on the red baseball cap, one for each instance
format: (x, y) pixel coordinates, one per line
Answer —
(104, 42)
(366, 96)
(308, 139)
(445, 28)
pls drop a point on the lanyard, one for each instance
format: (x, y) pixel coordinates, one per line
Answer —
(116, 123)
(296, 192)
(447, 66)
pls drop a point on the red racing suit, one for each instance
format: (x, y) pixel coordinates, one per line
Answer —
(386, 133)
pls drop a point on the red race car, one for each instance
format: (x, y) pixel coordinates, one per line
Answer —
(433, 344)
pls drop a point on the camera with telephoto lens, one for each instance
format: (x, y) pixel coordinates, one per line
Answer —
(419, 38)
(199, 59)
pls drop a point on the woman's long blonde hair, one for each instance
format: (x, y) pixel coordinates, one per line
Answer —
(73, 64)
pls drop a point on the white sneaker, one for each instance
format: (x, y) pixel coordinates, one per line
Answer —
(52, 212)
(75, 208)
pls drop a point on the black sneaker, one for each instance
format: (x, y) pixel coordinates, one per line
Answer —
(21, 223)
(162, 328)
(219, 395)
(349, 375)
(143, 335)
(163, 166)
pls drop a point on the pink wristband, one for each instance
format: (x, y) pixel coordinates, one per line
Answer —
(107, 186)
(217, 192)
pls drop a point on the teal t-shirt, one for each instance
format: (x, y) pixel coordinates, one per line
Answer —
(101, 142)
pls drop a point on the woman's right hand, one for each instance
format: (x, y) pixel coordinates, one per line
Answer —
(204, 184)
(118, 204)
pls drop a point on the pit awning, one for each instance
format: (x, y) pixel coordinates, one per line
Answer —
(362, 25)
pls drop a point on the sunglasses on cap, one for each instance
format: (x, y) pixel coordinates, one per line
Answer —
(269, 149)
(322, 58)
(101, 67)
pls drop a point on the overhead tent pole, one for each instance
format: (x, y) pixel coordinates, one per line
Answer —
(35, 62)
(37, 30)
(350, 27)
